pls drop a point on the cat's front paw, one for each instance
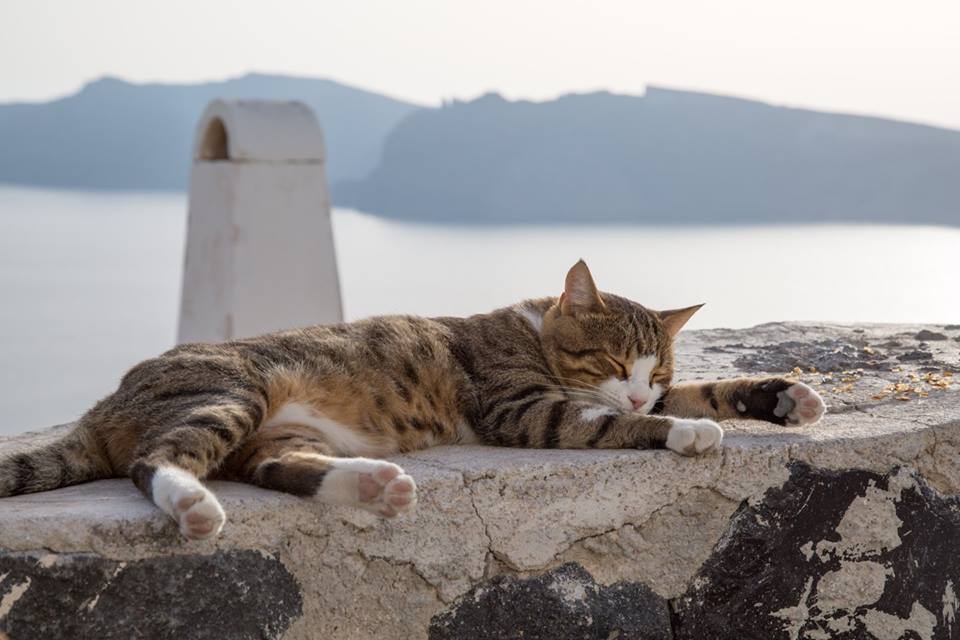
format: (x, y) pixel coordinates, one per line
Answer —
(799, 405)
(693, 437)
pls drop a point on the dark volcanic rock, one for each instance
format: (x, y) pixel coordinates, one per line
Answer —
(563, 604)
(926, 334)
(915, 356)
(232, 594)
(838, 554)
(824, 355)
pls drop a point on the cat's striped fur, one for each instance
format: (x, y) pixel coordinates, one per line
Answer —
(310, 411)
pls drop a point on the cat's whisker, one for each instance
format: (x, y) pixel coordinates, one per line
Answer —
(579, 382)
(594, 395)
(585, 395)
(603, 393)
(566, 389)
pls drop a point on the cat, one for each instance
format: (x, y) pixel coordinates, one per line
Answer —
(313, 411)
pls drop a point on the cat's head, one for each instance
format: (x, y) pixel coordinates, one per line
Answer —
(615, 351)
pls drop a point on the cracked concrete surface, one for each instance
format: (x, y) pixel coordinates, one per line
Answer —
(646, 517)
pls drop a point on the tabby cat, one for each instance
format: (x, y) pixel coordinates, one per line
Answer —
(312, 411)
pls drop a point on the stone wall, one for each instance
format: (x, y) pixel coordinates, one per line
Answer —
(847, 529)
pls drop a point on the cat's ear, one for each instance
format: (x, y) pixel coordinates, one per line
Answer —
(580, 294)
(674, 319)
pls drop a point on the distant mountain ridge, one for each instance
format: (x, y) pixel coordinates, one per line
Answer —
(113, 134)
(664, 157)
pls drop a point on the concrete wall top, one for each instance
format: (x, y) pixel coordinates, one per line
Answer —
(845, 528)
(258, 131)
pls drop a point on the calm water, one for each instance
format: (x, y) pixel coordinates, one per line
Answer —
(89, 283)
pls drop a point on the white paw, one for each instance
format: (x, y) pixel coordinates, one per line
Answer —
(800, 404)
(199, 515)
(375, 485)
(693, 437)
(187, 501)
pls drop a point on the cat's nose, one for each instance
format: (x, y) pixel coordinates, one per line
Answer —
(637, 400)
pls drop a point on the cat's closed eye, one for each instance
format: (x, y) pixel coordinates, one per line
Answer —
(660, 376)
(620, 370)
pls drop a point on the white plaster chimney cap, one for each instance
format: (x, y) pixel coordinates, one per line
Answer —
(258, 131)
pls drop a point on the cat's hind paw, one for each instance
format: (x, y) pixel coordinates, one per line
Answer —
(199, 515)
(387, 491)
(377, 486)
(799, 405)
(194, 507)
(693, 437)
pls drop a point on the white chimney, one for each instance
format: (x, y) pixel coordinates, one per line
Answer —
(260, 252)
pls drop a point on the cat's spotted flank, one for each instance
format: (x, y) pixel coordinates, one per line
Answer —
(313, 411)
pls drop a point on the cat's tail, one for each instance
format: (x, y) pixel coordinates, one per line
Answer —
(60, 460)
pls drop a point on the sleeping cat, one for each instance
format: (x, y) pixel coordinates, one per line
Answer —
(312, 411)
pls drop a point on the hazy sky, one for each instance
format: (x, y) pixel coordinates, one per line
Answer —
(898, 59)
